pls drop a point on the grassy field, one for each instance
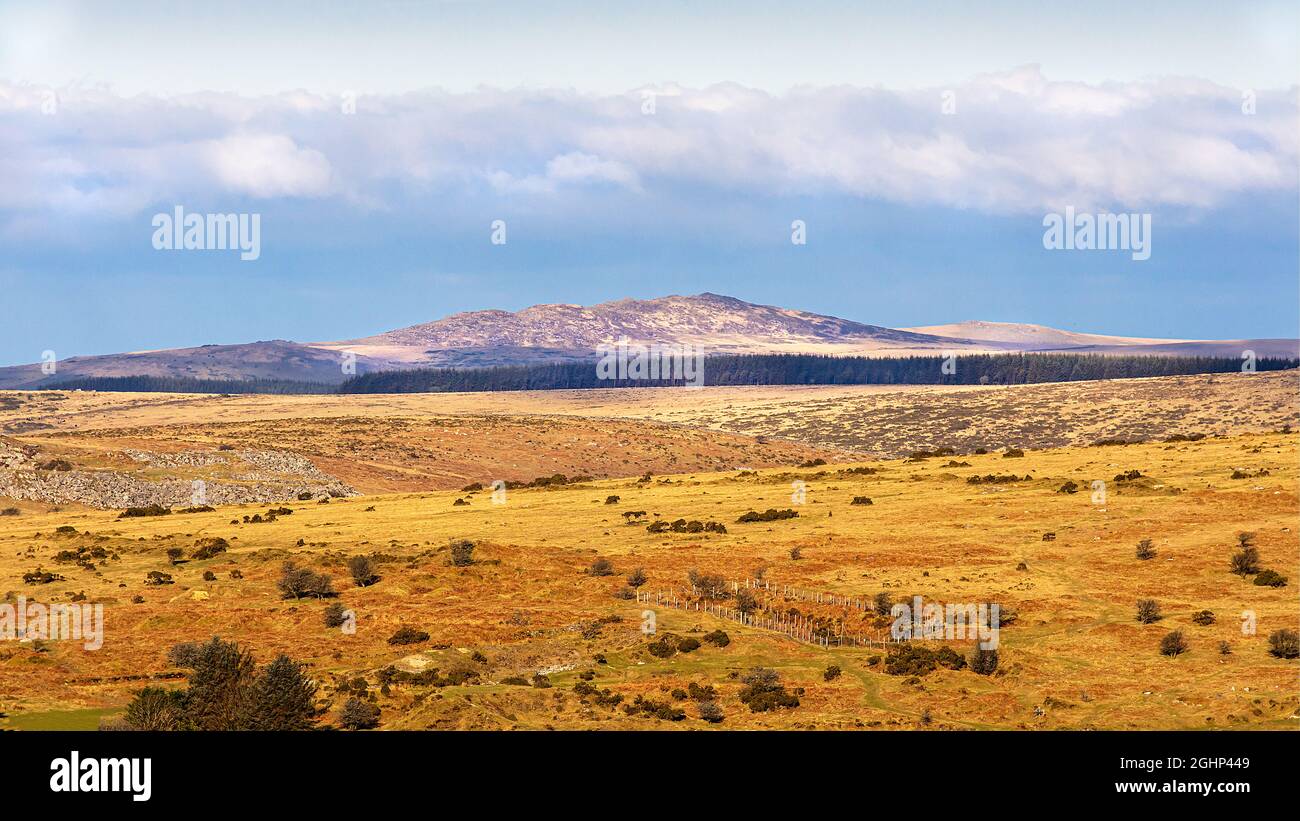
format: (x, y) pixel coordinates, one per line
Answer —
(1075, 656)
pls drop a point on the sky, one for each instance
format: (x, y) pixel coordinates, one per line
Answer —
(637, 150)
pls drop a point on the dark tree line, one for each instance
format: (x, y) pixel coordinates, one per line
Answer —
(743, 369)
(807, 369)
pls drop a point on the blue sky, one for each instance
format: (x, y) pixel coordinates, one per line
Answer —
(468, 112)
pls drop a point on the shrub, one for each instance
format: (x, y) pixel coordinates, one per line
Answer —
(1173, 644)
(984, 662)
(9, 511)
(1245, 562)
(611, 500)
(831, 673)
(208, 547)
(363, 572)
(335, 615)
(1145, 550)
(746, 601)
(908, 659)
(301, 582)
(861, 500)
(1285, 644)
(462, 553)
(408, 635)
(148, 510)
(710, 711)
(636, 578)
(174, 554)
(209, 576)
(281, 698)
(1012, 453)
(701, 692)
(883, 604)
(540, 681)
(157, 577)
(305, 496)
(40, 576)
(663, 647)
(1203, 617)
(1270, 578)
(687, 644)
(769, 515)
(1148, 611)
(796, 553)
(717, 638)
(358, 714)
(601, 567)
(763, 691)
(709, 585)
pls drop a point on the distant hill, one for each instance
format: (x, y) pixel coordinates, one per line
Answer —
(561, 333)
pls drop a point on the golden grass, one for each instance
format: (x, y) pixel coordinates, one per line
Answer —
(1075, 658)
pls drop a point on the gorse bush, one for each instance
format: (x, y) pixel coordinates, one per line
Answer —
(208, 547)
(1270, 578)
(717, 638)
(1145, 550)
(1284, 644)
(763, 691)
(769, 515)
(911, 659)
(408, 635)
(601, 567)
(709, 711)
(462, 553)
(335, 615)
(147, 510)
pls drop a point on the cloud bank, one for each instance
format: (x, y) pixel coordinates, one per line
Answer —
(1014, 142)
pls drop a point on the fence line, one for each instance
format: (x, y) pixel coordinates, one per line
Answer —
(798, 628)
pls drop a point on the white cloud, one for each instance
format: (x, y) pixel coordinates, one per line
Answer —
(267, 165)
(1018, 142)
